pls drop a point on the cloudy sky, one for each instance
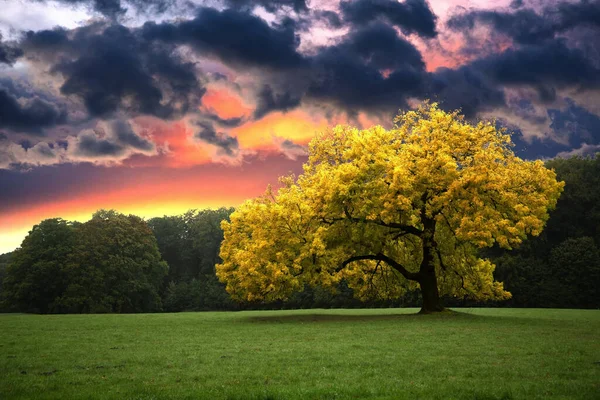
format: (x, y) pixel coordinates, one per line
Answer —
(154, 107)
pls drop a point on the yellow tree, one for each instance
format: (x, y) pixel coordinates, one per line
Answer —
(390, 211)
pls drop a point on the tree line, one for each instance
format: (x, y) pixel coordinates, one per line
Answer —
(121, 263)
(110, 263)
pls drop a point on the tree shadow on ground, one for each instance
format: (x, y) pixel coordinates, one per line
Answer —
(333, 317)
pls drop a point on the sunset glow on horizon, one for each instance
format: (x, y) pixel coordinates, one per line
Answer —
(175, 192)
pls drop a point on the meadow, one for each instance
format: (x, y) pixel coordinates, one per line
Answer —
(303, 354)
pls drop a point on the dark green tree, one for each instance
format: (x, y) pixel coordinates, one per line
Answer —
(4, 261)
(523, 276)
(190, 244)
(115, 266)
(36, 274)
(175, 245)
(574, 274)
(560, 267)
(206, 235)
(577, 212)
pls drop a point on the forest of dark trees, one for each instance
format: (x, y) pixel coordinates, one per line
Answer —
(118, 263)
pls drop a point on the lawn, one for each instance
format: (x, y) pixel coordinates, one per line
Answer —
(305, 354)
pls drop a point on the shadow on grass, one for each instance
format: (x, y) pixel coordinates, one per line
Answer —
(333, 317)
(364, 316)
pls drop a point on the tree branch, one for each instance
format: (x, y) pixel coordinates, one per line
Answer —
(413, 276)
(406, 228)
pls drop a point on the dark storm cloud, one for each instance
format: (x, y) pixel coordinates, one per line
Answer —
(234, 37)
(110, 8)
(525, 25)
(349, 83)
(516, 3)
(411, 16)
(226, 122)
(226, 144)
(156, 6)
(9, 52)
(380, 46)
(118, 140)
(89, 144)
(29, 115)
(528, 26)
(47, 43)
(546, 67)
(269, 5)
(268, 101)
(112, 68)
(371, 67)
(551, 63)
(126, 136)
(465, 88)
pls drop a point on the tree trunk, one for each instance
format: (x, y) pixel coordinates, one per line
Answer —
(429, 292)
(427, 278)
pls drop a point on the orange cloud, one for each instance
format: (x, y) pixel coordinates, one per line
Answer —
(225, 103)
(176, 142)
(296, 125)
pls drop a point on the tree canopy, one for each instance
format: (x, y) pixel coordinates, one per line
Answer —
(35, 277)
(389, 211)
(109, 264)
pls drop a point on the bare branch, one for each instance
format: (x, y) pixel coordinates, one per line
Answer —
(399, 235)
(382, 257)
(407, 228)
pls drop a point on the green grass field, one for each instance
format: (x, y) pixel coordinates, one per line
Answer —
(308, 354)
